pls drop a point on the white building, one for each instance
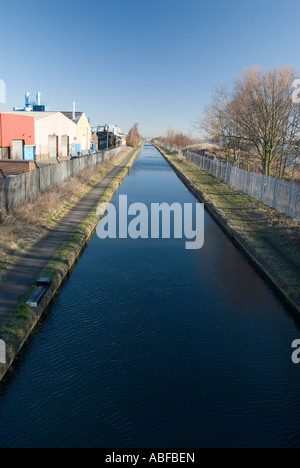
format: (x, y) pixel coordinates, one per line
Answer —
(54, 134)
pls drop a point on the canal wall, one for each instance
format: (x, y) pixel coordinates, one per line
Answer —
(24, 320)
(23, 188)
(270, 271)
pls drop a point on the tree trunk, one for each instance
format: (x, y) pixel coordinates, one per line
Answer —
(267, 163)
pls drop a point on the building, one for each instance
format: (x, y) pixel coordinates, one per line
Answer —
(83, 132)
(32, 106)
(110, 136)
(94, 140)
(55, 134)
(17, 136)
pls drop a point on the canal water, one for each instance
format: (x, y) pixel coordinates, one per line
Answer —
(152, 345)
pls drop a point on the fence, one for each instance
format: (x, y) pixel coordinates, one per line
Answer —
(283, 196)
(23, 188)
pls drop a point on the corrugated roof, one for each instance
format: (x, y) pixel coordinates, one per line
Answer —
(78, 116)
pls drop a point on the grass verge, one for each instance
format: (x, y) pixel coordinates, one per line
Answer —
(24, 226)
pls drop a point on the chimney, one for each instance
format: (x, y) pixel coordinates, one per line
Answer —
(27, 96)
(74, 111)
(38, 99)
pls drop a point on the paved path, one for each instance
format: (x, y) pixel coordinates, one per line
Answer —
(15, 284)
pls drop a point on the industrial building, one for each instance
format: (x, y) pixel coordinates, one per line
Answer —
(17, 136)
(54, 133)
(83, 131)
(33, 133)
(110, 136)
(32, 106)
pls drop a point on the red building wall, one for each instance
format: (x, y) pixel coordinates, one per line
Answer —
(16, 127)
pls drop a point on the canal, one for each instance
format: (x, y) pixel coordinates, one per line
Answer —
(152, 345)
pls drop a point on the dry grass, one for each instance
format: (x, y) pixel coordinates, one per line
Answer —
(24, 226)
(209, 147)
(253, 165)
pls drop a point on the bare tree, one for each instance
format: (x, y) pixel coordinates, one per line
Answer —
(258, 118)
(134, 139)
(177, 139)
(219, 126)
(263, 109)
(216, 123)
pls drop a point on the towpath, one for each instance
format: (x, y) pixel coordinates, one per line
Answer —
(16, 283)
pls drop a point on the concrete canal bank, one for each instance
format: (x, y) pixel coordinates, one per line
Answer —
(54, 257)
(256, 229)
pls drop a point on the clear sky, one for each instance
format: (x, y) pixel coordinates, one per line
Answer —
(150, 61)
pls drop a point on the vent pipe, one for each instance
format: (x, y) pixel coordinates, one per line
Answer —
(27, 97)
(74, 111)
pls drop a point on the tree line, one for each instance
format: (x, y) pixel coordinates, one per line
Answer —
(177, 139)
(258, 118)
(255, 124)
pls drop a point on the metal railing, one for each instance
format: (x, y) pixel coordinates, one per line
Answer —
(282, 196)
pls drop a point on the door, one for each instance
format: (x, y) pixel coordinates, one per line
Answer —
(17, 150)
(65, 146)
(53, 146)
(29, 153)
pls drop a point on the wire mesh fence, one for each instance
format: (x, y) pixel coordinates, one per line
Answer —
(282, 196)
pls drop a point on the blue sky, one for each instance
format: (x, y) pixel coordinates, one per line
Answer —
(154, 62)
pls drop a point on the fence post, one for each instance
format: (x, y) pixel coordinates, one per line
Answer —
(290, 200)
(252, 184)
(262, 189)
(275, 194)
(6, 195)
(226, 174)
(235, 179)
(243, 183)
